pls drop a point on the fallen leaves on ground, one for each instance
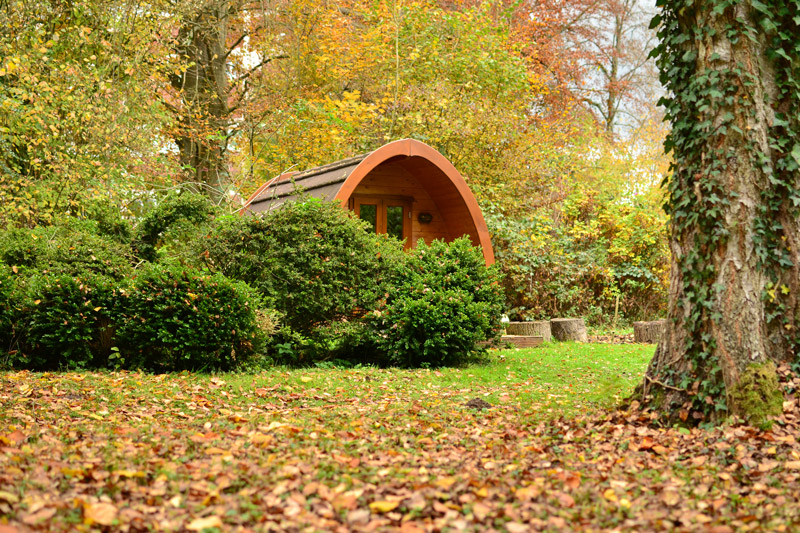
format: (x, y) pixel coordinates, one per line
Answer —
(135, 452)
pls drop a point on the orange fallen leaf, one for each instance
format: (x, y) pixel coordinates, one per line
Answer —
(646, 443)
(445, 482)
(344, 501)
(565, 500)
(670, 497)
(15, 437)
(40, 516)
(573, 480)
(766, 466)
(100, 513)
(528, 493)
(481, 511)
(216, 451)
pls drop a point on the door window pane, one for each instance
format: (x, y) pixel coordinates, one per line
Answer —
(369, 213)
(394, 221)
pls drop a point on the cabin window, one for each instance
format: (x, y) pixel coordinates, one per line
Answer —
(386, 214)
(369, 212)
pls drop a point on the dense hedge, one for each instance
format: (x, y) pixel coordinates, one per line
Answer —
(64, 320)
(447, 301)
(174, 219)
(313, 262)
(8, 308)
(305, 284)
(175, 318)
(73, 247)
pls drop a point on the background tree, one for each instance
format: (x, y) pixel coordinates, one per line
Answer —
(731, 70)
(223, 45)
(78, 115)
(595, 52)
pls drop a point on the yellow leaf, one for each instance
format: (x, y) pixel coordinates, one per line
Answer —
(445, 482)
(130, 473)
(199, 524)
(8, 497)
(305, 379)
(100, 513)
(216, 451)
(610, 495)
(383, 506)
(260, 438)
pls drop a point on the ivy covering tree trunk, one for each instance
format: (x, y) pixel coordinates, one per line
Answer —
(732, 70)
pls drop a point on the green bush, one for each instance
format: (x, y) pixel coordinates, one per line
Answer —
(9, 314)
(65, 321)
(172, 221)
(312, 260)
(177, 318)
(74, 247)
(447, 302)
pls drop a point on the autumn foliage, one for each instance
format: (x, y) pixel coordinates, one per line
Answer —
(222, 96)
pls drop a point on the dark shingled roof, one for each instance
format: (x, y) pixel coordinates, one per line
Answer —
(321, 182)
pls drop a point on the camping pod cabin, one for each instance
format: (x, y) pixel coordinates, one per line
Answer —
(405, 188)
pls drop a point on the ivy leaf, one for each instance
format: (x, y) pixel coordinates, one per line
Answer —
(796, 153)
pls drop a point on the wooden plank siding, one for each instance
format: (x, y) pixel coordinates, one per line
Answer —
(391, 179)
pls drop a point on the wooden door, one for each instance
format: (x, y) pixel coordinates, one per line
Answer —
(386, 214)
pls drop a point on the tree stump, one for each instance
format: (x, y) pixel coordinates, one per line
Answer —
(648, 332)
(569, 329)
(530, 329)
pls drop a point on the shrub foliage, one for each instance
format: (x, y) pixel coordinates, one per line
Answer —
(185, 291)
(447, 302)
(313, 261)
(175, 318)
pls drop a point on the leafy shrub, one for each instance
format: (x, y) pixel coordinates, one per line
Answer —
(65, 321)
(603, 256)
(447, 302)
(107, 219)
(174, 220)
(315, 262)
(73, 247)
(8, 308)
(176, 318)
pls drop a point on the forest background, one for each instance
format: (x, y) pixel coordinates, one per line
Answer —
(548, 111)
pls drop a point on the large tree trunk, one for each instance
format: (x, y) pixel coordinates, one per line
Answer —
(203, 87)
(734, 229)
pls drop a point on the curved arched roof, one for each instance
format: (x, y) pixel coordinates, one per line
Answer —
(339, 180)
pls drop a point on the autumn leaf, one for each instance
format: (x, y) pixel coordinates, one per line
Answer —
(100, 513)
(199, 524)
(383, 506)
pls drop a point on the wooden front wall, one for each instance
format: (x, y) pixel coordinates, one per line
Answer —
(429, 190)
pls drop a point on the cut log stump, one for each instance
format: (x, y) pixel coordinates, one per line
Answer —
(522, 341)
(648, 332)
(531, 329)
(569, 329)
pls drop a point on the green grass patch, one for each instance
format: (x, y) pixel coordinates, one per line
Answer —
(553, 379)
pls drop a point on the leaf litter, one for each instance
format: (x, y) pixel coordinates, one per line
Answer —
(137, 452)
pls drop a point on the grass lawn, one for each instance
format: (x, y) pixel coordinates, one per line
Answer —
(370, 449)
